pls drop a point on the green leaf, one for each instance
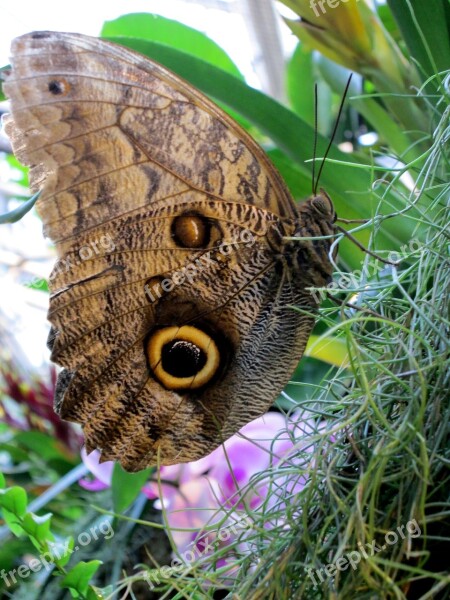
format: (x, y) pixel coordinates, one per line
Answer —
(127, 486)
(20, 211)
(387, 18)
(19, 169)
(18, 455)
(38, 528)
(56, 550)
(5, 68)
(386, 126)
(93, 594)
(2, 481)
(38, 284)
(298, 182)
(300, 83)
(301, 79)
(44, 445)
(13, 522)
(328, 349)
(426, 30)
(308, 372)
(14, 499)
(155, 28)
(78, 578)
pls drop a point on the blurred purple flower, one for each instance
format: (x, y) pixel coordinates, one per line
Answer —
(193, 492)
(102, 472)
(225, 476)
(206, 499)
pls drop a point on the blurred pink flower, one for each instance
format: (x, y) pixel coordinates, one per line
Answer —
(220, 486)
(206, 502)
(102, 471)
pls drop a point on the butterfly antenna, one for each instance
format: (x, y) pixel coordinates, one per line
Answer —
(341, 107)
(364, 249)
(314, 183)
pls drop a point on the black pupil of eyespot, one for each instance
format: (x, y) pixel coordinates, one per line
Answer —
(182, 359)
(55, 87)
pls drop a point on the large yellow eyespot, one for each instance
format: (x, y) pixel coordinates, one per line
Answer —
(183, 357)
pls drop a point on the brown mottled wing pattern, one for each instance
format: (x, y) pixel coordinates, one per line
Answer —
(120, 148)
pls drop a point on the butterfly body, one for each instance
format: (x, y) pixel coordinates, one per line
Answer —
(179, 304)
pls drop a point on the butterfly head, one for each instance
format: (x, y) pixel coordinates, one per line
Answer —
(324, 206)
(314, 248)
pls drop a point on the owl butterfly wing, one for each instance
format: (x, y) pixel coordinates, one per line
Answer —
(107, 131)
(158, 205)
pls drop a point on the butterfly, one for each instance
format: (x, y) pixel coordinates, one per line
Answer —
(180, 302)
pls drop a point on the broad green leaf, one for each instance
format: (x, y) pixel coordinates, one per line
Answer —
(328, 349)
(127, 486)
(172, 33)
(93, 593)
(38, 528)
(14, 499)
(2, 481)
(299, 183)
(62, 551)
(308, 372)
(42, 444)
(78, 578)
(387, 128)
(300, 82)
(12, 521)
(387, 18)
(425, 27)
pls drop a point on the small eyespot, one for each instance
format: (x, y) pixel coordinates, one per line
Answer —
(182, 358)
(191, 231)
(59, 87)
